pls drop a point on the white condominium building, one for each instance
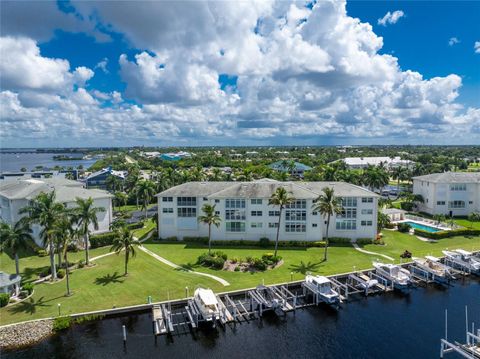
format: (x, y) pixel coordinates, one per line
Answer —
(449, 193)
(245, 213)
(364, 162)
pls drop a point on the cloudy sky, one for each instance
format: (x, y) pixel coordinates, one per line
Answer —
(160, 73)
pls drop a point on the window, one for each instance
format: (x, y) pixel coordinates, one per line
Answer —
(367, 211)
(299, 204)
(367, 199)
(470, 202)
(366, 223)
(295, 215)
(187, 212)
(256, 225)
(295, 227)
(234, 214)
(217, 201)
(349, 202)
(456, 204)
(186, 201)
(205, 198)
(348, 213)
(314, 213)
(346, 225)
(217, 213)
(167, 210)
(256, 213)
(256, 201)
(273, 213)
(314, 225)
(167, 199)
(234, 203)
(273, 225)
(458, 187)
(440, 203)
(235, 226)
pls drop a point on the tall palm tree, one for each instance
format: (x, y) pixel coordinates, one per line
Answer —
(44, 211)
(15, 238)
(66, 234)
(399, 173)
(121, 198)
(327, 205)
(209, 217)
(125, 241)
(145, 191)
(383, 220)
(85, 214)
(281, 198)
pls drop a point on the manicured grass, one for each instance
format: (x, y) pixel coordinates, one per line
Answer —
(149, 225)
(467, 224)
(132, 207)
(104, 286)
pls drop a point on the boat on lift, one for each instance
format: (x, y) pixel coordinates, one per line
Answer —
(400, 277)
(207, 303)
(432, 265)
(323, 288)
(464, 259)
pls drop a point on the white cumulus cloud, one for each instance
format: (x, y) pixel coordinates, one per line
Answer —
(391, 17)
(453, 41)
(476, 47)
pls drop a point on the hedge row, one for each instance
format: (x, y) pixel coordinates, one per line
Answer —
(447, 234)
(133, 226)
(101, 240)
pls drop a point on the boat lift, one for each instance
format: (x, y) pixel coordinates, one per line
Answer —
(470, 350)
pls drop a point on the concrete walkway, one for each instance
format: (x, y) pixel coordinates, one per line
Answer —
(176, 266)
(355, 245)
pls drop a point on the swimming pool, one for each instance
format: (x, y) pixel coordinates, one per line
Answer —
(423, 227)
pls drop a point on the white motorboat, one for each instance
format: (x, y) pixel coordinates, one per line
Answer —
(207, 303)
(438, 271)
(323, 287)
(464, 259)
(368, 283)
(400, 277)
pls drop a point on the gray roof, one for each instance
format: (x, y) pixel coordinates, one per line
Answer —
(451, 177)
(66, 190)
(263, 189)
(9, 279)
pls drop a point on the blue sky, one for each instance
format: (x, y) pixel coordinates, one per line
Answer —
(195, 73)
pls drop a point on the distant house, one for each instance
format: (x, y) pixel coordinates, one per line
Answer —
(98, 179)
(8, 176)
(364, 162)
(449, 193)
(294, 168)
(15, 195)
(175, 156)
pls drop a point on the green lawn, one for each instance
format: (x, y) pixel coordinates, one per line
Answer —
(132, 207)
(103, 286)
(149, 225)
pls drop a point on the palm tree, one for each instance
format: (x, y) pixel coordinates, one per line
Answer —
(121, 198)
(85, 215)
(281, 197)
(399, 173)
(209, 217)
(66, 233)
(439, 218)
(145, 190)
(15, 238)
(44, 211)
(327, 205)
(473, 217)
(383, 220)
(125, 241)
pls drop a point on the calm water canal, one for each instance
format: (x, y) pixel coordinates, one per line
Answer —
(384, 326)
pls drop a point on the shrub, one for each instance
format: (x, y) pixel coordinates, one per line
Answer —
(378, 241)
(61, 323)
(81, 263)
(259, 264)
(403, 227)
(237, 269)
(61, 273)
(363, 241)
(215, 260)
(4, 298)
(264, 242)
(220, 254)
(249, 259)
(137, 225)
(406, 206)
(44, 272)
(42, 253)
(28, 287)
(101, 240)
(171, 239)
(88, 318)
(447, 234)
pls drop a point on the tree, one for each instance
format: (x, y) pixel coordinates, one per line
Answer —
(327, 205)
(44, 211)
(85, 214)
(145, 190)
(209, 217)
(121, 198)
(375, 177)
(400, 173)
(69, 176)
(383, 220)
(281, 198)
(473, 217)
(125, 241)
(15, 238)
(439, 218)
(66, 234)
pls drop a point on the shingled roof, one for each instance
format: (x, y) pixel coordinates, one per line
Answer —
(451, 177)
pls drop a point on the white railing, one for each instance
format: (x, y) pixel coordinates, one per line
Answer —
(430, 221)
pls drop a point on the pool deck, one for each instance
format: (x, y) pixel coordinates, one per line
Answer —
(427, 223)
